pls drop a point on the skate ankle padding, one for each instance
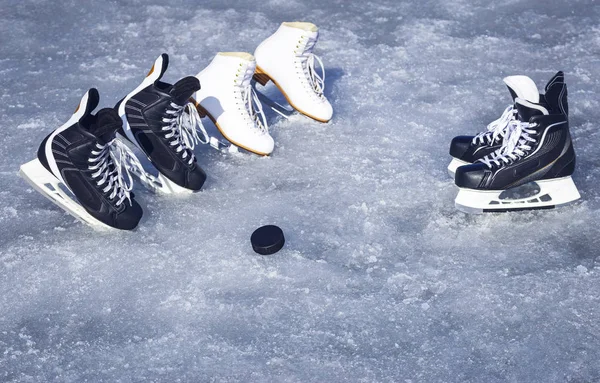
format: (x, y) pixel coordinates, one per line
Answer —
(242, 55)
(310, 27)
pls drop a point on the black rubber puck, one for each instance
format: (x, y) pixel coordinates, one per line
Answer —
(267, 240)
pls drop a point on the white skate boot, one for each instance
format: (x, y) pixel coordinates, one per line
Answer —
(228, 99)
(286, 58)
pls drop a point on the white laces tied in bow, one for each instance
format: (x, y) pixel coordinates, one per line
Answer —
(497, 128)
(515, 145)
(183, 128)
(112, 166)
(308, 60)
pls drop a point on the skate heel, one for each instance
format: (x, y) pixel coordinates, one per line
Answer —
(565, 165)
(50, 187)
(261, 77)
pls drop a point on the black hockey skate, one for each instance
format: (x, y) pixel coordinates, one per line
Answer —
(84, 169)
(537, 152)
(159, 120)
(468, 149)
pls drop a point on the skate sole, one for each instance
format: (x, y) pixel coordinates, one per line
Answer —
(553, 193)
(204, 113)
(263, 79)
(47, 184)
(455, 164)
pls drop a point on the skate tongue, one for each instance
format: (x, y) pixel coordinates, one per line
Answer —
(522, 87)
(106, 125)
(240, 55)
(184, 89)
(526, 109)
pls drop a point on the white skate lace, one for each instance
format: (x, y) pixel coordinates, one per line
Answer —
(183, 129)
(516, 144)
(112, 165)
(252, 103)
(308, 60)
(496, 128)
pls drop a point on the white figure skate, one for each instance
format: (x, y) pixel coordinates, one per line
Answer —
(287, 59)
(226, 96)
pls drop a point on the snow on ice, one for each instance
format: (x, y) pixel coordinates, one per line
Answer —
(381, 279)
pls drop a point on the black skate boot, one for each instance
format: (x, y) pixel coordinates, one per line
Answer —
(79, 167)
(537, 151)
(160, 121)
(468, 149)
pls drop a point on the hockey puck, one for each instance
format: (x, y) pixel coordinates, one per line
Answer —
(267, 240)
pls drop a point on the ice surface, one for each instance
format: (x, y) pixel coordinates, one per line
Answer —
(381, 278)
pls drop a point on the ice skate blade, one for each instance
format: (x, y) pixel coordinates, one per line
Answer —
(49, 186)
(263, 78)
(552, 193)
(221, 146)
(169, 187)
(159, 184)
(218, 144)
(455, 164)
(275, 106)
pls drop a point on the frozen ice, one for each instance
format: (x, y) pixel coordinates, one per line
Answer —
(381, 278)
